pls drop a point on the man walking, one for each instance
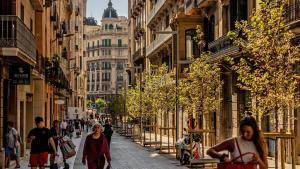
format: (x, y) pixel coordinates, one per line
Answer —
(40, 137)
(64, 125)
(108, 131)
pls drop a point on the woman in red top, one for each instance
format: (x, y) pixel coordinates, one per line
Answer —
(96, 149)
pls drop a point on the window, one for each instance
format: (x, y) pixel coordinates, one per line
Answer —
(98, 86)
(31, 25)
(109, 52)
(191, 47)
(120, 65)
(225, 19)
(93, 87)
(98, 43)
(98, 77)
(106, 26)
(80, 64)
(120, 77)
(93, 44)
(111, 27)
(98, 52)
(109, 42)
(93, 53)
(167, 21)
(88, 45)
(106, 65)
(119, 42)
(22, 12)
(120, 51)
(102, 52)
(106, 76)
(93, 77)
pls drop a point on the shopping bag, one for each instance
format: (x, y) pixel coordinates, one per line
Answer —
(237, 166)
(241, 165)
(67, 150)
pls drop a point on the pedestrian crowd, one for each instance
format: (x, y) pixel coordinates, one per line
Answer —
(44, 141)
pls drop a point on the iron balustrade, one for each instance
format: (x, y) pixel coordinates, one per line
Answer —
(107, 46)
(222, 47)
(293, 12)
(15, 34)
(155, 10)
(160, 40)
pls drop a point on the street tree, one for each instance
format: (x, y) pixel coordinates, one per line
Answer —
(199, 91)
(89, 104)
(269, 58)
(100, 103)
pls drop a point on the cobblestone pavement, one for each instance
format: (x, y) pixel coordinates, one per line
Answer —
(128, 155)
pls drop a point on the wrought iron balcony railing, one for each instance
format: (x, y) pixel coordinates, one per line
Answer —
(222, 47)
(155, 10)
(15, 34)
(293, 12)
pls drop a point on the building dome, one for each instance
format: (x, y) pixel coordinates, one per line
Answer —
(110, 12)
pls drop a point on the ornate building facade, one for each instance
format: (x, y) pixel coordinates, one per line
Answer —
(106, 55)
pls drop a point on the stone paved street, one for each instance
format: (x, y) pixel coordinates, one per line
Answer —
(128, 155)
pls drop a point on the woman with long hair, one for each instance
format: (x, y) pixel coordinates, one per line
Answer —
(250, 141)
(96, 149)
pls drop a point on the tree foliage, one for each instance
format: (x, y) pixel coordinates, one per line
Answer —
(89, 104)
(200, 90)
(267, 67)
(100, 103)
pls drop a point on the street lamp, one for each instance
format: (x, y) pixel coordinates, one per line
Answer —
(177, 72)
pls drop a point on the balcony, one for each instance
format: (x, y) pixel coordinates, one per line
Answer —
(293, 15)
(222, 47)
(160, 40)
(107, 46)
(139, 54)
(40, 64)
(156, 8)
(37, 4)
(55, 74)
(15, 35)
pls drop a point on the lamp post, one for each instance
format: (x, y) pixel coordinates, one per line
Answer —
(177, 72)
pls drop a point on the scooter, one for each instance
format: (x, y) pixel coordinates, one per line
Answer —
(184, 148)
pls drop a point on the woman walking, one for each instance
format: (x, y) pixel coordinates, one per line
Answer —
(96, 149)
(251, 142)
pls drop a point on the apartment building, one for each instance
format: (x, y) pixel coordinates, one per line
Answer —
(166, 28)
(35, 59)
(106, 55)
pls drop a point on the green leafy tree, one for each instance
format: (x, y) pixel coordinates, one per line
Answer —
(100, 103)
(269, 58)
(200, 90)
(89, 104)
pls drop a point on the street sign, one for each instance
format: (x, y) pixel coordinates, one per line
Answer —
(20, 75)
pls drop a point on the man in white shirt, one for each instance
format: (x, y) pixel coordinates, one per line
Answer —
(63, 126)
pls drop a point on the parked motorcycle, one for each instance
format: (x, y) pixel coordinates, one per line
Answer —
(184, 148)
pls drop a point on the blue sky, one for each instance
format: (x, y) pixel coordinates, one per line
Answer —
(95, 8)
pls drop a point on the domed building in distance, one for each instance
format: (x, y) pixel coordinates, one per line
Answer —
(106, 55)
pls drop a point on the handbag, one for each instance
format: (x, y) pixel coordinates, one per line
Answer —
(242, 165)
(67, 150)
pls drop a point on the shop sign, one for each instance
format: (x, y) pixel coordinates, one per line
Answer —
(20, 75)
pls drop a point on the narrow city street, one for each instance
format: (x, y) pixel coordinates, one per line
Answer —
(128, 155)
